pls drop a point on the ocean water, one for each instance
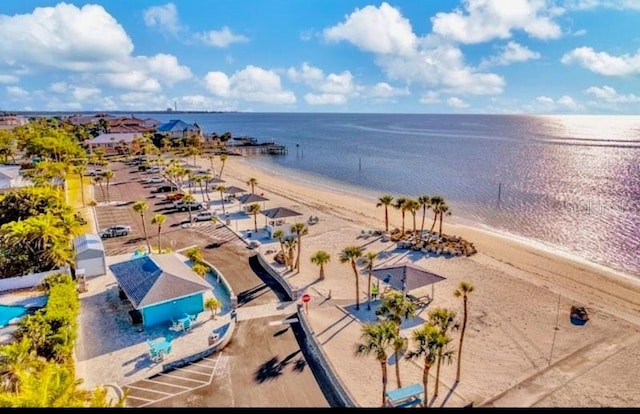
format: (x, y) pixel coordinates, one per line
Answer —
(568, 182)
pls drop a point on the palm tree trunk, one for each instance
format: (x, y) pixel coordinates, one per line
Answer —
(299, 250)
(464, 326)
(424, 213)
(144, 230)
(438, 364)
(255, 222)
(403, 223)
(159, 244)
(383, 365)
(435, 219)
(425, 381)
(414, 225)
(386, 218)
(355, 272)
(369, 292)
(321, 272)
(440, 230)
(397, 357)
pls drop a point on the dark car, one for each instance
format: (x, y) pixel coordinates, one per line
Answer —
(165, 188)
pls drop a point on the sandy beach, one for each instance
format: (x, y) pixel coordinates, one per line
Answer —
(520, 348)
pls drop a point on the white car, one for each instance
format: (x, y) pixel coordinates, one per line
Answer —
(204, 216)
(153, 180)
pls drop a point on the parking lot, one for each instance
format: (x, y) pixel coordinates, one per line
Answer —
(263, 365)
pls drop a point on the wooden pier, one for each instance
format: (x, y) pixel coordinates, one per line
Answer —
(257, 149)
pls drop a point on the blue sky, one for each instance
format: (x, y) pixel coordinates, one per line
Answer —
(407, 56)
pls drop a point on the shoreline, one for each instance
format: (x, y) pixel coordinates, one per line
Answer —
(519, 327)
(349, 190)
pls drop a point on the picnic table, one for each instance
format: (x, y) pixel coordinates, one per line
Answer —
(409, 396)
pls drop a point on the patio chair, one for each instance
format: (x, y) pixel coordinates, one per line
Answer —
(192, 317)
(155, 355)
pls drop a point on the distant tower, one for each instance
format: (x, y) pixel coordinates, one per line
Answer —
(175, 106)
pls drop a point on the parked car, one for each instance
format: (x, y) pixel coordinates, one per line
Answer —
(153, 170)
(204, 216)
(97, 171)
(175, 196)
(115, 231)
(166, 188)
(153, 180)
(184, 206)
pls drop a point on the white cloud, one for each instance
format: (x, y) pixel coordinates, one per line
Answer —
(143, 101)
(384, 91)
(603, 63)
(334, 88)
(165, 18)
(201, 103)
(564, 103)
(17, 92)
(64, 36)
(9, 78)
(405, 57)
(252, 84)
(457, 103)
(510, 53)
(483, 20)
(609, 95)
(220, 38)
(165, 67)
(133, 80)
(430, 97)
(380, 30)
(580, 32)
(325, 99)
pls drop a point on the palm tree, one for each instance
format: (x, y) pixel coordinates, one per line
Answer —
(211, 157)
(255, 209)
(14, 357)
(351, 254)
(377, 339)
(399, 344)
(108, 175)
(189, 199)
(290, 244)
(385, 201)
(321, 258)
(464, 288)
(98, 180)
(300, 230)
(222, 189)
(368, 262)
(199, 179)
(395, 307)
(443, 319)
(444, 210)
(81, 169)
(279, 234)
(424, 201)
(140, 207)
(194, 254)
(436, 204)
(399, 205)
(213, 305)
(427, 339)
(159, 220)
(223, 159)
(252, 182)
(412, 207)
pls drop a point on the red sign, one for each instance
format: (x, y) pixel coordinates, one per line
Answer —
(306, 298)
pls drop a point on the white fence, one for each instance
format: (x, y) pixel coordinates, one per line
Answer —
(27, 281)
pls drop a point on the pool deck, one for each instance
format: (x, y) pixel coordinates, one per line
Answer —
(29, 298)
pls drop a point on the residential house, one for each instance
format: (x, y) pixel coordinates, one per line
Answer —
(10, 121)
(131, 124)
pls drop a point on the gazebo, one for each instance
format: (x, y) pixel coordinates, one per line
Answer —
(248, 199)
(277, 220)
(406, 277)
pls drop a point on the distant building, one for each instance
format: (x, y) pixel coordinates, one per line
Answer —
(11, 177)
(89, 119)
(131, 124)
(177, 128)
(109, 143)
(10, 121)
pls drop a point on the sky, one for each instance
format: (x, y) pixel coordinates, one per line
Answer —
(337, 56)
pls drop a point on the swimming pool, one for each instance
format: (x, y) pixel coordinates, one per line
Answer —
(7, 313)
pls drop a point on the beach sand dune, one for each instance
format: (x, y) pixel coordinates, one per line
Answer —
(520, 348)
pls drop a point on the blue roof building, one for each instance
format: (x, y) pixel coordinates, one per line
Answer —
(177, 128)
(161, 287)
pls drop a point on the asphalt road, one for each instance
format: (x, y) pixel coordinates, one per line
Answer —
(263, 365)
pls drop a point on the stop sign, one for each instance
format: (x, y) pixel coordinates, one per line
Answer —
(306, 298)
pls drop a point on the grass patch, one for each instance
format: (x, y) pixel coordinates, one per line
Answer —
(74, 197)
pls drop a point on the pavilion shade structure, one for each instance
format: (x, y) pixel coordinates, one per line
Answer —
(280, 213)
(234, 190)
(406, 277)
(251, 198)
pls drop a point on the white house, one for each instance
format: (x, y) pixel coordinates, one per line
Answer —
(11, 177)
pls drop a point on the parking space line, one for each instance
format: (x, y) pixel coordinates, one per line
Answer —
(149, 389)
(140, 398)
(183, 378)
(195, 372)
(168, 385)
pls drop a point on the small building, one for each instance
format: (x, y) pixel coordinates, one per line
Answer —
(11, 177)
(277, 220)
(177, 128)
(110, 142)
(10, 121)
(160, 287)
(90, 255)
